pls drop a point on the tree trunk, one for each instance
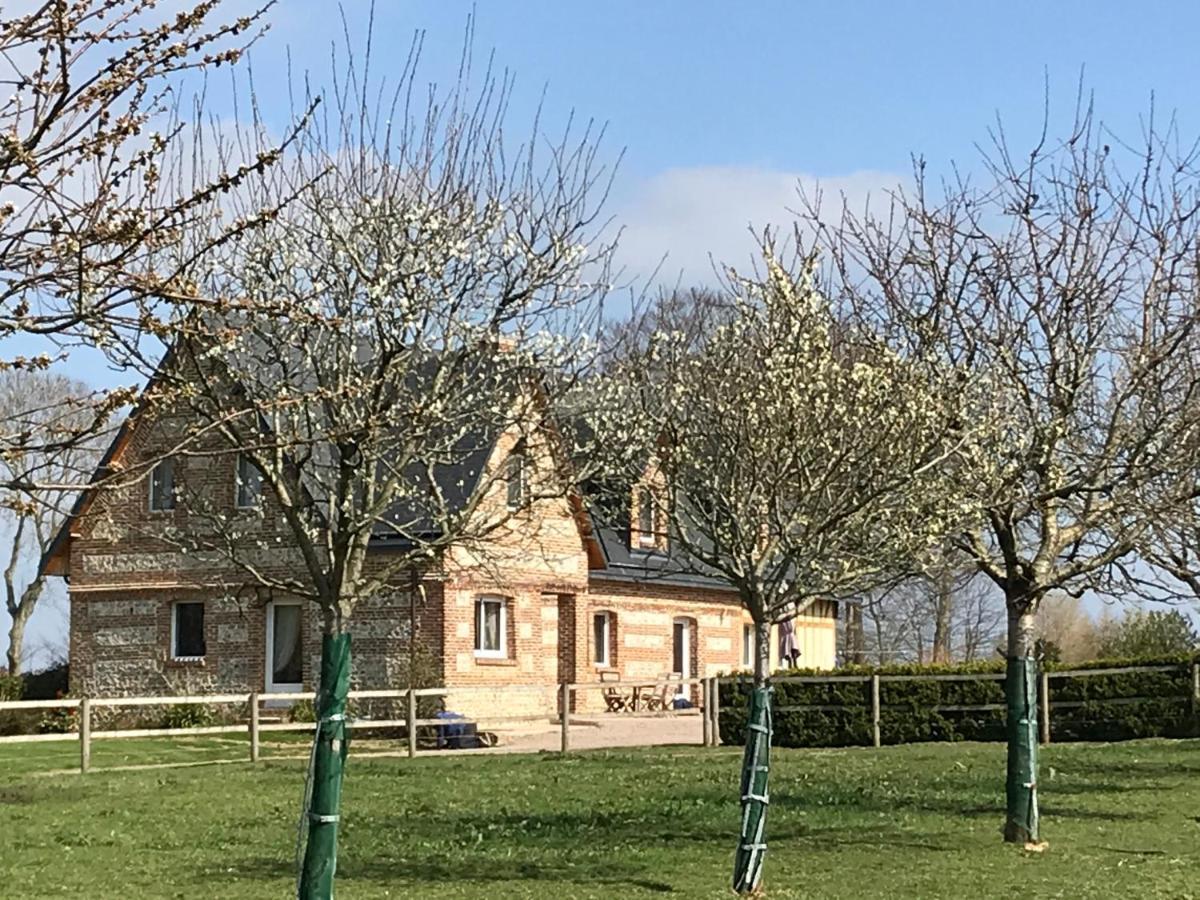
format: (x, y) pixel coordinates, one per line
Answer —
(1020, 688)
(855, 639)
(16, 637)
(752, 841)
(323, 795)
(943, 587)
(20, 609)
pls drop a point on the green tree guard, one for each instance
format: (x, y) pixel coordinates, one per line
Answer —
(756, 765)
(1020, 689)
(330, 744)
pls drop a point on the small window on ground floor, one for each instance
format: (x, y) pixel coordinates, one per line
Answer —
(187, 630)
(490, 627)
(747, 646)
(602, 639)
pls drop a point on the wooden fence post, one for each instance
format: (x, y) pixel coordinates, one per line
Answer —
(716, 712)
(85, 735)
(876, 737)
(1044, 707)
(254, 722)
(565, 716)
(706, 694)
(412, 723)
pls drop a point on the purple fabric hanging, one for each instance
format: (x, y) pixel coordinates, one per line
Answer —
(788, 650)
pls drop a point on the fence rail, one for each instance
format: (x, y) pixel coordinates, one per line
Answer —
(254, 727)
(1045, 701)
(564, 706)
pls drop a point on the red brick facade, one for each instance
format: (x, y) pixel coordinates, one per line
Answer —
(124, 580)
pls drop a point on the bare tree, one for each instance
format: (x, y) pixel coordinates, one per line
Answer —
(1067, 629)
(979, 621)
(854, 639)
(1171, 550)
(692, 313)
(794, 454)
(425, 286)
(104, 206)
(943, 615)
(56, 406)
(1068, 282)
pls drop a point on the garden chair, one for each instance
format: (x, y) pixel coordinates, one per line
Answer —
(614, 699)
(658, 698)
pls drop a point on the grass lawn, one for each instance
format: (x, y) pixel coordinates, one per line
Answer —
(921, 821)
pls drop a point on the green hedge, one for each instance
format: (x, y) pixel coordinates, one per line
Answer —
(838, 714)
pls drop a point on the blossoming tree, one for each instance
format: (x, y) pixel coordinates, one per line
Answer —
(1066, 280)
(103, 208)
(801, 456)
(422, 292)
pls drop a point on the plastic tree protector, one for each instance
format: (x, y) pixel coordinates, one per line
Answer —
(1020, 688)
(756, 763)
(323, 790)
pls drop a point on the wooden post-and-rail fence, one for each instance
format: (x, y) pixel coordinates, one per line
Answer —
(566, 699)
(1046, 704)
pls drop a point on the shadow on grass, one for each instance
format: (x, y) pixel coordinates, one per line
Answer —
(1143, 771)
(957, 801)
(603, 846)
(875, 835)
(17, 796)
(461, 870)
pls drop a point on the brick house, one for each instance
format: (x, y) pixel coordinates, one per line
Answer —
(564, 598)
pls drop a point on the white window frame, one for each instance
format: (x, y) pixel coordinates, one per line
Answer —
(747, 645)
(153, 496)
(686, 672)
(239, 481)
(283, 687)
(605, 661)
(645, 498)
(175, 631)
(480, 604)
(515, 472)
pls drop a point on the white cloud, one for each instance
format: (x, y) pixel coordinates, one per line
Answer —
(695, 215)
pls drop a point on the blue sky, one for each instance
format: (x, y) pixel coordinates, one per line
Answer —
(722, 108)
(820, 88)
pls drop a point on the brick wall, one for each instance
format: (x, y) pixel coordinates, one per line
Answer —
(125, 578)
(121, 644)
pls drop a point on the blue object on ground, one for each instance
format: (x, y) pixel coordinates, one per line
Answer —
(457, 733)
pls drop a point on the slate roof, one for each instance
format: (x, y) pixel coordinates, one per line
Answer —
(456, 482)
(634, 564)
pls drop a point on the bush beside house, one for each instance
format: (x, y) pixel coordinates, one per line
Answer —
(1109, 707)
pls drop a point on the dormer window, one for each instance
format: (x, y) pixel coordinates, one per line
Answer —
(515, 476)
(647, 520)
(162, 486)
(249, 483)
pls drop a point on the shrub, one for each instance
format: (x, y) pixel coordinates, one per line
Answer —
(1107, 707)
(302, 711)
(188, 715)
(15, 721)
(58, 721)
(47, 683)
(11, 687)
